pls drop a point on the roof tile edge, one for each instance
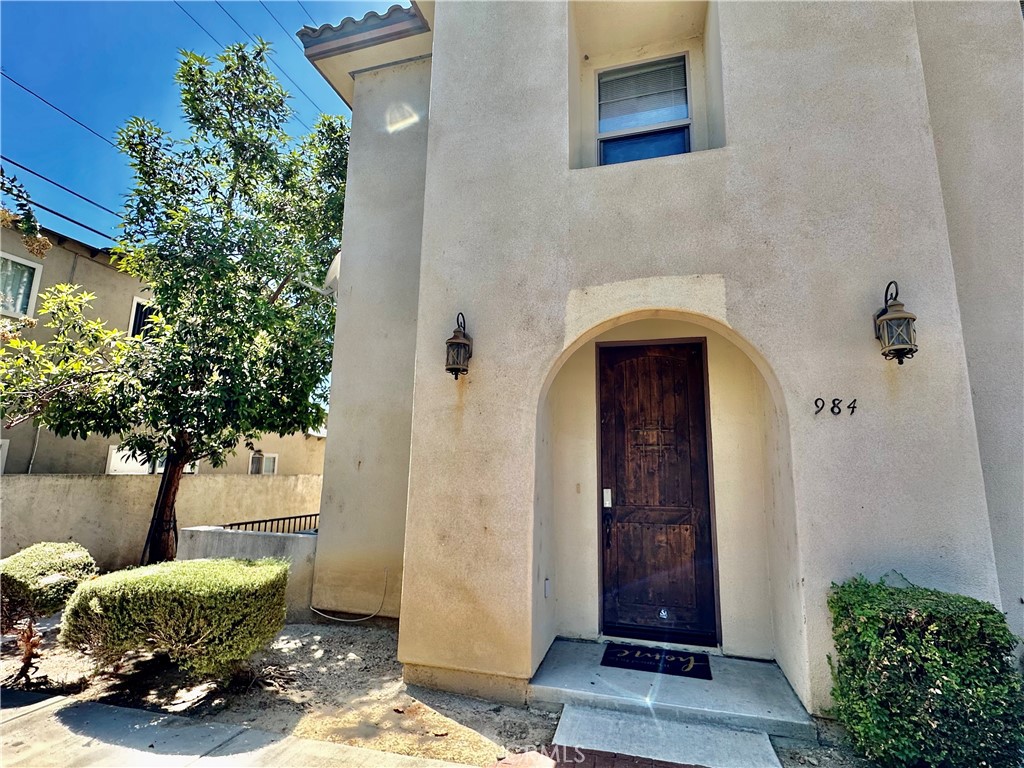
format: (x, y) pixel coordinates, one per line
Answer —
(351, 33)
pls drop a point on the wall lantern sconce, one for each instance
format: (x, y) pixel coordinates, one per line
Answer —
(459, 349)
(894, 327)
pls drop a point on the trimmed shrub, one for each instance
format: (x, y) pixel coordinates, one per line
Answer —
(925, 678)
(39, 580)
(208, 615)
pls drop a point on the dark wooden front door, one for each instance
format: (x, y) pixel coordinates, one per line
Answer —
(658, 567)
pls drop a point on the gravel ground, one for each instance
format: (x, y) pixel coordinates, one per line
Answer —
(339, 683)
(832, 750)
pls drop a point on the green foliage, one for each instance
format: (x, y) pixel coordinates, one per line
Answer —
(230, 226)
(83, 363)
(925, 678)
(38, 580)
(209, 615)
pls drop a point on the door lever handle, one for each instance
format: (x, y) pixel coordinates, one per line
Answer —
(607, 519)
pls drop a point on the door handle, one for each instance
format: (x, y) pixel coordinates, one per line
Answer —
(607, 519)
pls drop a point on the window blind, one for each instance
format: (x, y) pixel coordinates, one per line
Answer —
(15, 286)
(642, 95)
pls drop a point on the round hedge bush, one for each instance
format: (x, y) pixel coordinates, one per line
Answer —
(38, 580)
(925, 678)
(208, 615)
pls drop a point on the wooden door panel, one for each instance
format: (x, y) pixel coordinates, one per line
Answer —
(657, 562)
(654, 469)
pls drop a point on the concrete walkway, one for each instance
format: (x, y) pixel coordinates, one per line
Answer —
(38, 731)
(749, 695)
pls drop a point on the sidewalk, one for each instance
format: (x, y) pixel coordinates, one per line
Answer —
(37, 731)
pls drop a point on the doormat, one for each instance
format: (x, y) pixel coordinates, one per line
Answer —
(658, 660)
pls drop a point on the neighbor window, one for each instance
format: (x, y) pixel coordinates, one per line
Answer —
(643, 111)
(140, 316)
(120, 462)
(19, 284)
(263, 463)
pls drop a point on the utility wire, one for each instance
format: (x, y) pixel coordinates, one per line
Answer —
(54, 106)
(58, 185)
(221, 45)
(307, 12)
(289, 35)
(42, 207)
(208, 34)
(279, 67)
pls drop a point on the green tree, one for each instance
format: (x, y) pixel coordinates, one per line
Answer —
(232, 227)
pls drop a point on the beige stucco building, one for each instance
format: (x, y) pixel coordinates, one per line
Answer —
(669, 226)
(120, 300)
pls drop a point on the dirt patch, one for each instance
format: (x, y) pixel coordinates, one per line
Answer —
(330, 682)
(832, 751)
(343, 684)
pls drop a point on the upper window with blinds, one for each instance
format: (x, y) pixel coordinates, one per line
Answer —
(643, 111)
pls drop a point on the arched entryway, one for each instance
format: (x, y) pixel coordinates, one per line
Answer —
(754, 563)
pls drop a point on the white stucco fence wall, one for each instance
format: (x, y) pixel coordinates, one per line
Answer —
(109, 514)
(299, 549)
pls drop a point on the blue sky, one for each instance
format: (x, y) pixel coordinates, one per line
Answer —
(103, 62)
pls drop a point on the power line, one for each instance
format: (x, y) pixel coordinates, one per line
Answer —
(307, 12)
(58, 184)
(287, 33)
(54, 106)
(221, 45)
(280, 68)
(208, 34)
(76, 222)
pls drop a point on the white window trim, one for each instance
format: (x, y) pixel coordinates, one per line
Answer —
(646, 128)
(265, 456)
(37, 276)
(136, 301)
(4, 447)
(190, 469)
(155, 468)
(112, 451)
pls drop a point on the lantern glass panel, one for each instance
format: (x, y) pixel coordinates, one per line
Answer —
(899, 331)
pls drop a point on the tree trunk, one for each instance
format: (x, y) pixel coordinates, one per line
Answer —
(162, 541)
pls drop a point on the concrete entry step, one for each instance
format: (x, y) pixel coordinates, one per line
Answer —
(742, 694)
(708, 746)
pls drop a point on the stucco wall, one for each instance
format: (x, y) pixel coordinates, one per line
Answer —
(827, 190)
(297, 454)
(109, 515)
(714, 95)
(367, 463)
(735, 391)
(976, 122)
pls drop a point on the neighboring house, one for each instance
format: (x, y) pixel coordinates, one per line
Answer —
(121, 301)
(645, 444)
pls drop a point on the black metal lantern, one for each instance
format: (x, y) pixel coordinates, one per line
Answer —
(894, 327)
(459, 349)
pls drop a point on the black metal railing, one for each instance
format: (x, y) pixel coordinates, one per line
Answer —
(293, 524)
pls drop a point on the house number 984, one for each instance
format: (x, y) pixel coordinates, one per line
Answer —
(837, 406)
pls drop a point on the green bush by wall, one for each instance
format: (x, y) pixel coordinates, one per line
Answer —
(209, 615)
(924, 678)
(38, 580)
